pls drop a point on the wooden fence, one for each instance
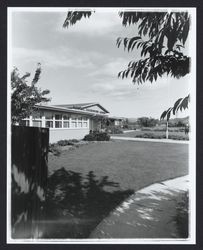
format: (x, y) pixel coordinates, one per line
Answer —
(29, 156)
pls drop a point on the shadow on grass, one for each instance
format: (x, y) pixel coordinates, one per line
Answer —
(76, 204)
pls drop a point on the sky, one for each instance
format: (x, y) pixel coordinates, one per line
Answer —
(81, 63)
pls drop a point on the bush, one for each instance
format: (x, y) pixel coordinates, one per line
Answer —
(178, 137)
(151, 136)
(97, 136)
(181, 217)
(67, 142)
(116, 131)
(54, 149)
(162, 136)
(146, 129)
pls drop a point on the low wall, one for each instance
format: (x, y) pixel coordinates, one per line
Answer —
(66, 134)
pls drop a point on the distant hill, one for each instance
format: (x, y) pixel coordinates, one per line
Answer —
(132, 120)
(184, 120)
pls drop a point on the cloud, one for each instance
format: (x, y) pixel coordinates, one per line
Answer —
(111, 68)
(100, 23)
(124, 89)
(60, 57)
(117, 89)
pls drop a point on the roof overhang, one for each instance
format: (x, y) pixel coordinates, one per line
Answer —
(82, 106)
(69, 110)
(95, 104)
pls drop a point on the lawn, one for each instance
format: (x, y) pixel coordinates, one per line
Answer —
(85, 184)
(156, 134)
(132, 164)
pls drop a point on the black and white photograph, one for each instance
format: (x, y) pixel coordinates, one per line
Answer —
(101, 125)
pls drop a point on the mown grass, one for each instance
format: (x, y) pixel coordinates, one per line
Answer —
(175, 135)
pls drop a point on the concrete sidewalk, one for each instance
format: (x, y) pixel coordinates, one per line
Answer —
(148, 139)
(149, 213)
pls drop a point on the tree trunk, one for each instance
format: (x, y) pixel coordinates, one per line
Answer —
(167, 130)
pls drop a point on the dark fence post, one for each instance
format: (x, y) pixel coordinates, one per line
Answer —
(29, 157)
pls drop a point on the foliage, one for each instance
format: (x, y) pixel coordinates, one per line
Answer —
(54, 149)
(115, 130)
(161, 136)
(150, 135)
(166, 34)
(67, 142)
(181, 217)
(24, 97)
(180, 104)
(97, 136)
(147, 122)
(74, 16)
(161, 38)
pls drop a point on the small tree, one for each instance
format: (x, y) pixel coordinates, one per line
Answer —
(25, 96)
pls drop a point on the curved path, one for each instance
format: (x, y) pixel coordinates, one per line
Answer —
(149, 213)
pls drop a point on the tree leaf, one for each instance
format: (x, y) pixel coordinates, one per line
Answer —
(133, 41)
(176, 105)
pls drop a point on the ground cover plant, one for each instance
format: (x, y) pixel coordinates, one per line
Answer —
(56, 148)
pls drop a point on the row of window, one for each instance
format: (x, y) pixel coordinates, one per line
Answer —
(59, 122)
(66, 124)
(50, 116)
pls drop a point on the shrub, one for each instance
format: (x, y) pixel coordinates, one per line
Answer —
(116, 131)
(162, 136)
(181, 217)
(65, 143)
(54, 149)
(146, 129)
(151, 136)
(97, 136)
(178, 137)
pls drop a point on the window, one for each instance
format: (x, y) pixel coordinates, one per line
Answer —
(58, 117)
(48, 116)
(66, 124)
(79, 124)
(49, 124)
(24, 123)
(74, 124)
(85, 124)
(36, 123)
(58, 124)
(66, 117)
(36, 115)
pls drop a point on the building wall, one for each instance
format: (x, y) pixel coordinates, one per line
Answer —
(63, 125)
(94, 125)
(67, 134)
